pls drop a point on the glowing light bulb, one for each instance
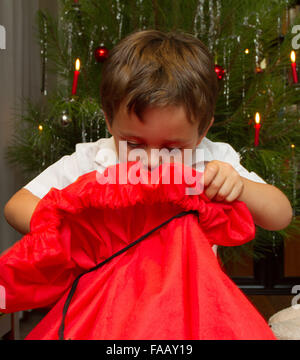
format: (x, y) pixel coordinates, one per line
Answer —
(77, 65)
(293, 56)
(257, 118)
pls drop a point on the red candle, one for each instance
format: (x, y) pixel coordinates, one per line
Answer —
(294, 67)
(75, 78)
(257, 128)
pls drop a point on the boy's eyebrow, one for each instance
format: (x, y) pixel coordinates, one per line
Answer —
(172, 141)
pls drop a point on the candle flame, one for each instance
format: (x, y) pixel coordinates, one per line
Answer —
(293, 56)
(293, 146)
(77, 65)
(257, 118)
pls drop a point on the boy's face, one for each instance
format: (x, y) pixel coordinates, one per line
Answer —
(163, 127)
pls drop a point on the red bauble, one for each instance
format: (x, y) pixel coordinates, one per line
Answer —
(258, 70)
(219, 71)
(101, 53)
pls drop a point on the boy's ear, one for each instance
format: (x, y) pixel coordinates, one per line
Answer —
(107, 123)
(206, 131)
(210, 125)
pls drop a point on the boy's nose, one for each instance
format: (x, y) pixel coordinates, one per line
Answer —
(151, 161)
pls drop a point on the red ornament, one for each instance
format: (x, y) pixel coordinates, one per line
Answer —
(101, 53)
(219, 71)
(258, 70)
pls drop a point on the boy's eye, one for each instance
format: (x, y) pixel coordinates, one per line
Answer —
(173, 148)
(133, 145)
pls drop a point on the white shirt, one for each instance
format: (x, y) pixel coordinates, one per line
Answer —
(89, 157)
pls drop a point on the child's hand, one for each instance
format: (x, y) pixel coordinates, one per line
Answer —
(222, 182)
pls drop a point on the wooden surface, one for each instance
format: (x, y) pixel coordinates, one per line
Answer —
(268, 305)
(9, 326)
(292, 255)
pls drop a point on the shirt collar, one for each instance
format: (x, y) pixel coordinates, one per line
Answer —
(106, 154)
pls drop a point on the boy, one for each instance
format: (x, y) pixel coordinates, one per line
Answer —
(159, 91)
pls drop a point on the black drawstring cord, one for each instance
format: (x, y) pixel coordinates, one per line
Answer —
(75, 283)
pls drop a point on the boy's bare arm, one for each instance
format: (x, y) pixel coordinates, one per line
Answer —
(19, 209)
(269, 207)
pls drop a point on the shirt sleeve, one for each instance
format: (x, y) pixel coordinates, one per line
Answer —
(225, 152)
(65, 171)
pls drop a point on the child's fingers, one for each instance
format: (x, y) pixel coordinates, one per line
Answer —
(210, 172)
(235, 193)
(215, 185)
(225, 190)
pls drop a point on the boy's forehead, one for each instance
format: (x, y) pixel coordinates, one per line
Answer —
(152, 111)
(167, 124)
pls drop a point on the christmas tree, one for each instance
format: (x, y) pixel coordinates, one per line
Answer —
(257, 110)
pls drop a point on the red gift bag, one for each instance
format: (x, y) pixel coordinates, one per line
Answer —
(139, 258)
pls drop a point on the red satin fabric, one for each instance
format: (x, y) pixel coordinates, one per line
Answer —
(169, 286)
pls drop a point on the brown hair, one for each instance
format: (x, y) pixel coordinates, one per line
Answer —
(151, 68)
